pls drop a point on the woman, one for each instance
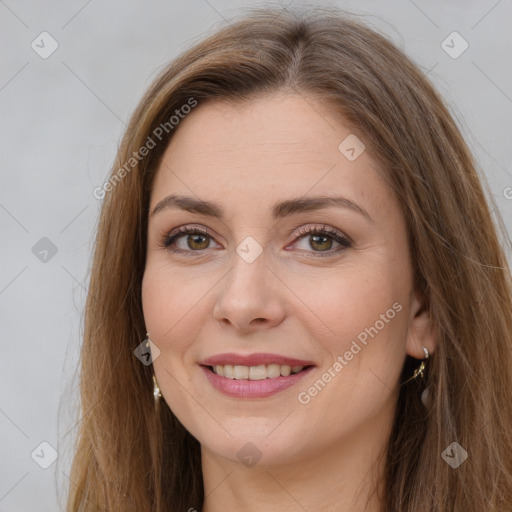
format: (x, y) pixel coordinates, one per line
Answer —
(298, 300)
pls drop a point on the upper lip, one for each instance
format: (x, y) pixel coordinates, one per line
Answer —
(254, 360)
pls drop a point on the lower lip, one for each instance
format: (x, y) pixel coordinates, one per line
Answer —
(253, 388)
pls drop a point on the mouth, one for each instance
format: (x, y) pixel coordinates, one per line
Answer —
(254, 376)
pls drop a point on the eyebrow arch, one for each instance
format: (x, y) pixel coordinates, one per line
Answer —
(279, 210)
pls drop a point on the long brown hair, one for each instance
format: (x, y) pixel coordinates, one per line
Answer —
(130, 457)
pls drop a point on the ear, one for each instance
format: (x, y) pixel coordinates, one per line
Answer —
(420, 333)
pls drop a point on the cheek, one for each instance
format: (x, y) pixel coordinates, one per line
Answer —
(353, 300)
(363, 328)
(168, 303)
(172, 308)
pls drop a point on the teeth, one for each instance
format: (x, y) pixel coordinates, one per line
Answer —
(257, 372)
(241, 372)
(260, 372)
(286, 370)
(228, 371)
(273, 371)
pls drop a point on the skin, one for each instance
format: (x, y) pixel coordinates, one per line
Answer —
(291, 300)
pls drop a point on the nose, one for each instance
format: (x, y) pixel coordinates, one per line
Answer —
(250, 297)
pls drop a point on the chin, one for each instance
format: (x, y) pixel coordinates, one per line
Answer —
(253, 440)
(250, 452)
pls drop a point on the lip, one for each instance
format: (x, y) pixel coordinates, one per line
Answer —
(254, 360)
(245, 388)
(252, 388)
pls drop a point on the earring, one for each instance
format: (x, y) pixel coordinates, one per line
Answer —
(420, 371)
(156, 391)
(156, 388)
(425, 399)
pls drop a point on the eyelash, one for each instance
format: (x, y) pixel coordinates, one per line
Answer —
(336, 235)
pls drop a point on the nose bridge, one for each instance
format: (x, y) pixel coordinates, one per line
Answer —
(248, 279)
(249, 265)
(247, 293)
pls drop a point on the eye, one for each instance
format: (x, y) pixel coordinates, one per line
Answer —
(187, 239)
(322, 240)
(318, 240)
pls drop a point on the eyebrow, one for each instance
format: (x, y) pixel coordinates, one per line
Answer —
(279, 210)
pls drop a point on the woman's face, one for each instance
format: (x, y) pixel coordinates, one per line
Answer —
(272, 278)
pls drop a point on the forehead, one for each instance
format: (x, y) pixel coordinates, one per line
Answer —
(276, 147)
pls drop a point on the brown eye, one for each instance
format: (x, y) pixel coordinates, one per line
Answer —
(198, 242)
(187, 239)
(322, 241)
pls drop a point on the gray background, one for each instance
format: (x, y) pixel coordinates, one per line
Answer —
(61, 121)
